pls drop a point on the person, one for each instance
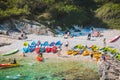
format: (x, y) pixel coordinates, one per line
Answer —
(23, 54)
(38, 43)
(14, 61)
(41, 54)
(65, 36)
(66, 44)
(68, 33)
(22, 33)
(104, 42)
(39, 57)
(92, 31)
(89, 36)
(91, 55)
(59, 50)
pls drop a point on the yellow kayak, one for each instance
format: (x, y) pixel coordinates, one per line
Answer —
(97, 55)
(75, 52)
(69, 52)
(9, 65)
(86, 53)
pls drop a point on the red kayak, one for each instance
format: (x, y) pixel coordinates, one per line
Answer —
(54, 49)
(3, 65)
(37, 50)
(9, 65)
(48, 49)
(115, 39)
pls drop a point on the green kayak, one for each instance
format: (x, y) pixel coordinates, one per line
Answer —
(9, 53)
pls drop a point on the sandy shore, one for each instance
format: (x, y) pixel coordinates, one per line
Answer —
(108, 34)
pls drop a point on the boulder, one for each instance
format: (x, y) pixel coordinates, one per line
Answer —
(109, 69)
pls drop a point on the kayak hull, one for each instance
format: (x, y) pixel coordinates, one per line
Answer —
(115, 39)
(9, 53)
(8, 65)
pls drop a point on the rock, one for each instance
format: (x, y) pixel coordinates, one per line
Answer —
(41, 78)
(109, 69)
(4, 44)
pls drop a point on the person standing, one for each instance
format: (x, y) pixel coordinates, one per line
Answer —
(92, 31)
(66, 45)
(89, 36)
(59, 50)
(104, 42)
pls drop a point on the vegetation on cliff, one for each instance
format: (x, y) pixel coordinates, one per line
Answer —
(65, 13)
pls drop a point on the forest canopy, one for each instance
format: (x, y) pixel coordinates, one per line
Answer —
(99, 13)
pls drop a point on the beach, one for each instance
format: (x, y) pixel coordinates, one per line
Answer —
(108, 34)
(53, 57)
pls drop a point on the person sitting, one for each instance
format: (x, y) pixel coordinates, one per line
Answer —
(14, 61)
(39, 58)
(65, 36)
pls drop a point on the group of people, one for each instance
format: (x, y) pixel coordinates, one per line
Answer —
(93, 33)
(66, 35)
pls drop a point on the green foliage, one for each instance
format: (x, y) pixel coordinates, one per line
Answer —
(109, 13)
(106, 1)
(48, 1)
(65, 12)
(11, 8)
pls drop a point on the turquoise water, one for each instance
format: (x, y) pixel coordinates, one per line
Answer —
(55, 70)
(29, 72)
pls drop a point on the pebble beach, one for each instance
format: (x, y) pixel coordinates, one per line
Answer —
(50, 57)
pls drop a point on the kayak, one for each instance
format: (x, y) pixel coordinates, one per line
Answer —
(11, 52)
(118, 56)
(75, 52)
(25, 50)
(37, 50)
(97, 55)
(54, 49)
(86, 53)
(115, 39)
(9, 65)
(69, 52)
(48, 49)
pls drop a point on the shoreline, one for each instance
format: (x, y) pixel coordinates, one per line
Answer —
(18, 44)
